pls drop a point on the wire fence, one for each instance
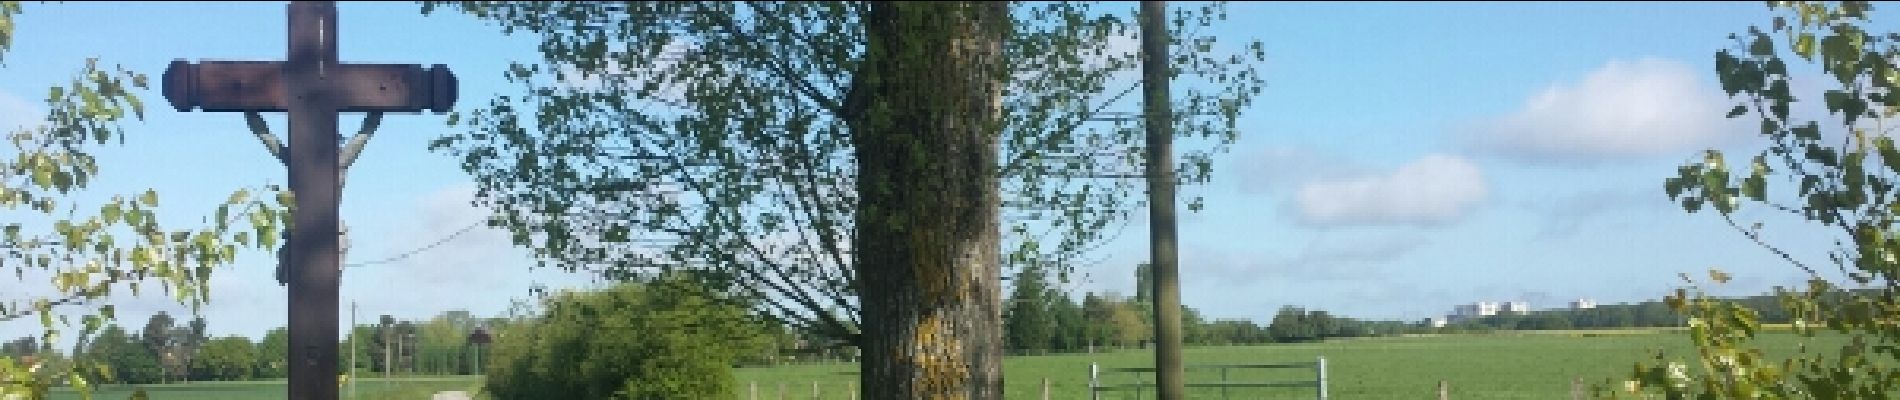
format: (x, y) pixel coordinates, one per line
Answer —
(1231, 377)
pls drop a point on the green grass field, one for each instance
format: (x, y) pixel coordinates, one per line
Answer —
(1531, 365)
(1517, 365)
(402, 388)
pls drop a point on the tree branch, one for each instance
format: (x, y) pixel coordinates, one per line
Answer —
(778, 67)
(1021, 159)
(1756, 237)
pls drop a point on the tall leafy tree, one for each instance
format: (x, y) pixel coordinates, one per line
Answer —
(402, 337)
(1144, 283)
(1071, 331)
(1099, 325)
(1131, 324)
(186, 341)
(22, 347)
(121, 358)
(439, 345)
(1840, 171)
(271, 353)
(1028, 321)
(383, 346)
(228, 358)
(1292, 324)
(86, 252)
(162, 338)
(883, 158)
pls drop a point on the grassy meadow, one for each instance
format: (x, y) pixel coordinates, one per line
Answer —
(399, 388)
(1512, 365)
(1508, 365)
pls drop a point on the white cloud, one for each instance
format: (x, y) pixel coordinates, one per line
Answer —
(1433, 190)
(1624, 109)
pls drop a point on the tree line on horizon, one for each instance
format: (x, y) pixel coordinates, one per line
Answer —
(163, 351)
(1041, 318)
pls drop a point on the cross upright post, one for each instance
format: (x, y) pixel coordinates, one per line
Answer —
(313, 87)
(312, 160)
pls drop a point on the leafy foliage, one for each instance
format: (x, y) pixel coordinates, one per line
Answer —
(85, 252)
(1027, 320)
(271, 353)
(121, 358)
(227, 359)
(668, 339)
(681, 135)
(1842, 174)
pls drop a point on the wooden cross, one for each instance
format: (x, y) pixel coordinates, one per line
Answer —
(313, 87)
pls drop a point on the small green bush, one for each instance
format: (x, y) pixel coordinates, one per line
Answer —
(660, 340)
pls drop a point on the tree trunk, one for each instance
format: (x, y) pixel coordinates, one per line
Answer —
(925, 125)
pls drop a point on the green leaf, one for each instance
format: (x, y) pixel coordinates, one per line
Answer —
(110, 213)
(238, 197)
(43, 177)
(1761, 47)
(149, 198)
(138, 107)
(135, 218)
(1804, 45)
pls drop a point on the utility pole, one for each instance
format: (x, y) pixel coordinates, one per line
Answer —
(1161, 183)
(352, 350)
(387, 337)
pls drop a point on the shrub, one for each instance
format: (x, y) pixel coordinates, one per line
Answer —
(665, 339)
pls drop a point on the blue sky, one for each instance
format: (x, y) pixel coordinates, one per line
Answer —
(1404, 158)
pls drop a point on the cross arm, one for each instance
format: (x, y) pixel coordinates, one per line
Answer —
(259, 86)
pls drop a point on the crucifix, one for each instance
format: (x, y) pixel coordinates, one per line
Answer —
(313, 87)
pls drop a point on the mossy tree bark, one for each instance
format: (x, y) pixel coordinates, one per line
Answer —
(928, 239)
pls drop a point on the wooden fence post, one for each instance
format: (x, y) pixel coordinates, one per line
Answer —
(1045, 388)
(755, 390)
(814, 390)
(781, 391)
(1576, 388)
(1444, 390)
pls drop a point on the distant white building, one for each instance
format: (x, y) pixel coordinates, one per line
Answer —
(1516, 307)
(1583, 304)
(1479, 309)
(1464, 312)
(1436, 322)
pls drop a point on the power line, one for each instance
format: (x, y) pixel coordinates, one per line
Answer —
(412, 253)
